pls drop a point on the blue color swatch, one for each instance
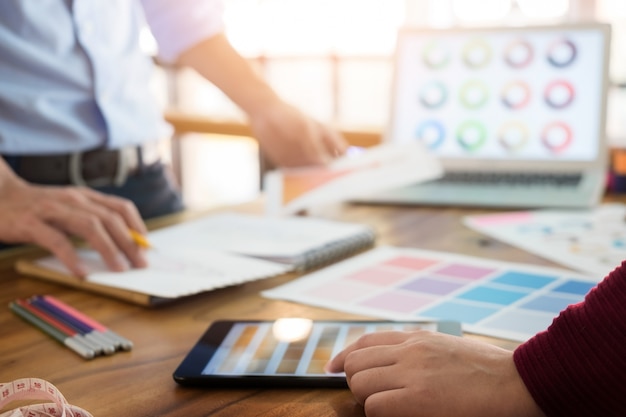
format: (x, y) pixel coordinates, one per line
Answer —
(524, 279)
(575, 287)
(492, 295)
(464, 313)
(549, 304)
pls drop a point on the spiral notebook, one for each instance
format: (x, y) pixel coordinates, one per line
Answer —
(300, 242)
(213, 252)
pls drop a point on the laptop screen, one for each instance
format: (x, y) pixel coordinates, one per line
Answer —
(520, 95)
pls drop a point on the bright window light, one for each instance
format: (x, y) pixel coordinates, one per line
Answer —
(611, 9)
(291, 330)
(543, 8)
(301, 27)
(481, 10)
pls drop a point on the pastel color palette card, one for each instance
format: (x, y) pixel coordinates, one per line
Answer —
(502, 299)
(590, 241)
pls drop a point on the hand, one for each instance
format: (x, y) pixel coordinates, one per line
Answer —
(48, 216)
(289, 138)
(426, 374)
(286, 135)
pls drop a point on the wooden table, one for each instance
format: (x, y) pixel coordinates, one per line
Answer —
(139, 382)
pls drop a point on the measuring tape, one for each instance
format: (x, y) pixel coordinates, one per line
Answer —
(35, 389)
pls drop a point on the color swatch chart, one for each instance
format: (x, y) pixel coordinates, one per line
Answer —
(591, 241)
(501, 299)
(253, 348)
(523, 93)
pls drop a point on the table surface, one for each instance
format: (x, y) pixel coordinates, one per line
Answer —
(139, 382)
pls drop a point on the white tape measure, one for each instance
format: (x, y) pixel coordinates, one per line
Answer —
(35, 389)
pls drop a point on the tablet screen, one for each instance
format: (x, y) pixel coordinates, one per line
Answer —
(289, 352)
(296, 347)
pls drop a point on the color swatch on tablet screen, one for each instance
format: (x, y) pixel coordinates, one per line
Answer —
(261, 348)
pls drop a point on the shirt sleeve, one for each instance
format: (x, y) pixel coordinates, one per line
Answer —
(179, 25)
(577, 367)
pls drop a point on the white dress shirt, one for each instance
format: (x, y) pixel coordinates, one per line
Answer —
(73, 77)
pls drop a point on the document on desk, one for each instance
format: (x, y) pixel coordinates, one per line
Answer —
(355, 175)
(494, 298)
(592, 241)
(215, 251)
(175, 272)
(302, 242)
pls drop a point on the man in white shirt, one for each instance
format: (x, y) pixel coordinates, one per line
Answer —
(76, 114)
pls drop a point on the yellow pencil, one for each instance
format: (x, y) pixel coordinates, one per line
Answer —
(139, 239)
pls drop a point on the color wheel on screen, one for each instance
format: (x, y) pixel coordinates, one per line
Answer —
(493, 94)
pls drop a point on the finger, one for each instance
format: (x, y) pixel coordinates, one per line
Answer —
(337, 364)
(369, 357)
(392, 403)
(334, 142)
(315, 150)
(106, 210)
(59, 245)
(371, 381)
(89, 227)
(120, 235)
(125, 208)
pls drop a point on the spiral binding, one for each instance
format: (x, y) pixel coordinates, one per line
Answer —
(337, 250)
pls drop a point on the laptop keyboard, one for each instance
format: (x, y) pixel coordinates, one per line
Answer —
(511, 179)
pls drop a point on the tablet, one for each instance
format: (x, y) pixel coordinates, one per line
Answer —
(289, 352)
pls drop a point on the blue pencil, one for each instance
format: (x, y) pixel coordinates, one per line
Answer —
(51, 331)
(60, 325)
(119, 341)
(104, 345)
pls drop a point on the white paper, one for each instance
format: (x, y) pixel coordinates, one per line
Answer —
(283, 238)
(375, 169)
(176, 269)
(592, 241)
(217, 251)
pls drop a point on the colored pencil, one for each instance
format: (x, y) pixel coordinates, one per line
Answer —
(119, 341)
(86, 331)
(139, 239)
(71, 321)
(63, 328)
(51, 331)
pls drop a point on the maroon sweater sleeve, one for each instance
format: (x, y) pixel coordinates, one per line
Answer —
(577, 367)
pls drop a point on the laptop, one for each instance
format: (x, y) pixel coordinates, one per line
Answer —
(516, 115)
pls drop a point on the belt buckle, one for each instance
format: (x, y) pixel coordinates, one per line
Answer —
(121, 174)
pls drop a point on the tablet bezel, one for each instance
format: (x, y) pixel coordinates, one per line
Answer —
(189, 372)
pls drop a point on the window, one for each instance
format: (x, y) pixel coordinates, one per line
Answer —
(333, 58)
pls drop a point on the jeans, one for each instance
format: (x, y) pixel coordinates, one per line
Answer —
(152, 189)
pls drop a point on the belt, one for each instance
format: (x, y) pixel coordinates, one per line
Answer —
(94, 168)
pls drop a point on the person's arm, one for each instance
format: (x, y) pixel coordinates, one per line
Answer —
(286, 135)
(49, 216)
(428, 374)
(578, 366)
